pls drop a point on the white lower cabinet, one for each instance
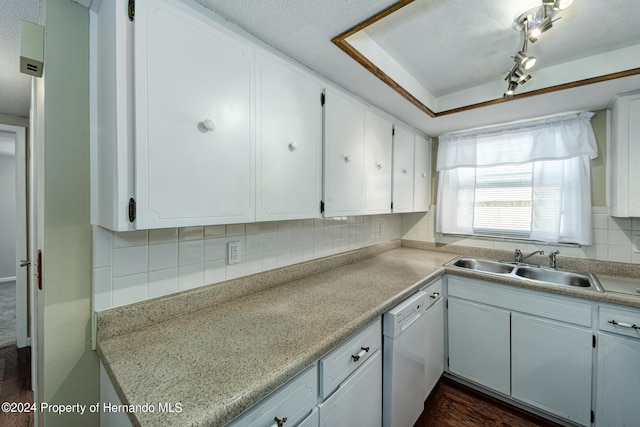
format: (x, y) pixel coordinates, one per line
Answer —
(290, 404)
(618, 381)
(530, 346)
(551, 366)
(358, 400)
(479, 344)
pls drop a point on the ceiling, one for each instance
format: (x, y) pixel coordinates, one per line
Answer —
(458, 52)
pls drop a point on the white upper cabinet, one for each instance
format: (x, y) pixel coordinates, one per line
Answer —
(343, 156)
(623, 157)
(193, 110)
(289, 143)
(377, 163)
(403, 167)
(422, 175)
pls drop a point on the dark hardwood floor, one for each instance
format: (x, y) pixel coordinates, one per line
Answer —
(15, 386)
(454, 405)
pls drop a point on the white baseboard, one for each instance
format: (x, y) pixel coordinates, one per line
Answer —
(7, 279)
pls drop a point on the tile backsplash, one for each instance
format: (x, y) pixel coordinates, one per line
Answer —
(133, 266)
(612, 237)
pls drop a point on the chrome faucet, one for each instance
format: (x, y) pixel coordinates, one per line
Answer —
(519, 258)
(552, 259)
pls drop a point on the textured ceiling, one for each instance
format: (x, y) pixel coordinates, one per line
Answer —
(448, 45)
(15, 88)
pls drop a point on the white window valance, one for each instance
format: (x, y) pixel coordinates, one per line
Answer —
(545, 196)
(551, 139)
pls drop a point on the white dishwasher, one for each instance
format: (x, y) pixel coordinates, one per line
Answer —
(404, 358)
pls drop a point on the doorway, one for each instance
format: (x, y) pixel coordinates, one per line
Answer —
(15, 350)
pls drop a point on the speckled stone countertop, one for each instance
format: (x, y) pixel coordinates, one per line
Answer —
(220, 359)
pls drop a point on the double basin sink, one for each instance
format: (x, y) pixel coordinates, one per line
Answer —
(573, 279)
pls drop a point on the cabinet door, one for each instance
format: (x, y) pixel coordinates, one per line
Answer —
(403, 164)
(358, 400)
(377, 163)
(289, 143)
(479, 344)
(434, 363)
(343, 156)
(193, 109)
(551, 367)
(618, 384)
(422, 175)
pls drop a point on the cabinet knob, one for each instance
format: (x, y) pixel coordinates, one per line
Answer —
(424, 174)
(279, 422)
(293, 146)
(208, 125)
(347, 159)
(404, 171)
(379, 165)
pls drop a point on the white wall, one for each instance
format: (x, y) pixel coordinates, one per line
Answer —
(611, 237)
(7, 217)
(134, 266)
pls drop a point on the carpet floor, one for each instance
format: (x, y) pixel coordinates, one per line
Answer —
(7, 314)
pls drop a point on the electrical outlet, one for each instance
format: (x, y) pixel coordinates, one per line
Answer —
(234, 253)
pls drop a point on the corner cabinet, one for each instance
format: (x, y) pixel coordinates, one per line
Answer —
(623, 156)
(411, 171)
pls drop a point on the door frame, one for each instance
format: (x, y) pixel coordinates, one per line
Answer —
(22, 236)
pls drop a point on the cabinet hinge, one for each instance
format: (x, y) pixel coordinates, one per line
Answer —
(447, 361)
(321, 206)
(322, 99)
(593, 417)
(131, 9)
(393, 131)
(391, 205)
(594, 341)
(132, 209)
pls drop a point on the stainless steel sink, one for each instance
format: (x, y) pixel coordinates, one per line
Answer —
(560, 277)
(574, 279)
(485, 266)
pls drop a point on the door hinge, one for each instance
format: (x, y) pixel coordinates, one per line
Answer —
(594, 341)
(322, 99)
(321, 206)
(131, 9)
(132, 209)
(593, 417)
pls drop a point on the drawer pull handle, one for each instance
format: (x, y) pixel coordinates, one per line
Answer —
(624, 325)
(363, 351)
(434, 295)
(279, 422)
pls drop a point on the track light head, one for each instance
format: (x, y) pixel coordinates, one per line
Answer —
(524, 61)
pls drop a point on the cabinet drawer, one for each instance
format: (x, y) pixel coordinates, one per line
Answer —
(522, 300)
(341, 362)
(434, 292)
(295, 400)
(620, 321)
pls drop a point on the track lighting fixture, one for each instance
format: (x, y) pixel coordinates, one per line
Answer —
(532, 23)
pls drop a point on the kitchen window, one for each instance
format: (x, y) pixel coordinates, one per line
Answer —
(526, 181)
